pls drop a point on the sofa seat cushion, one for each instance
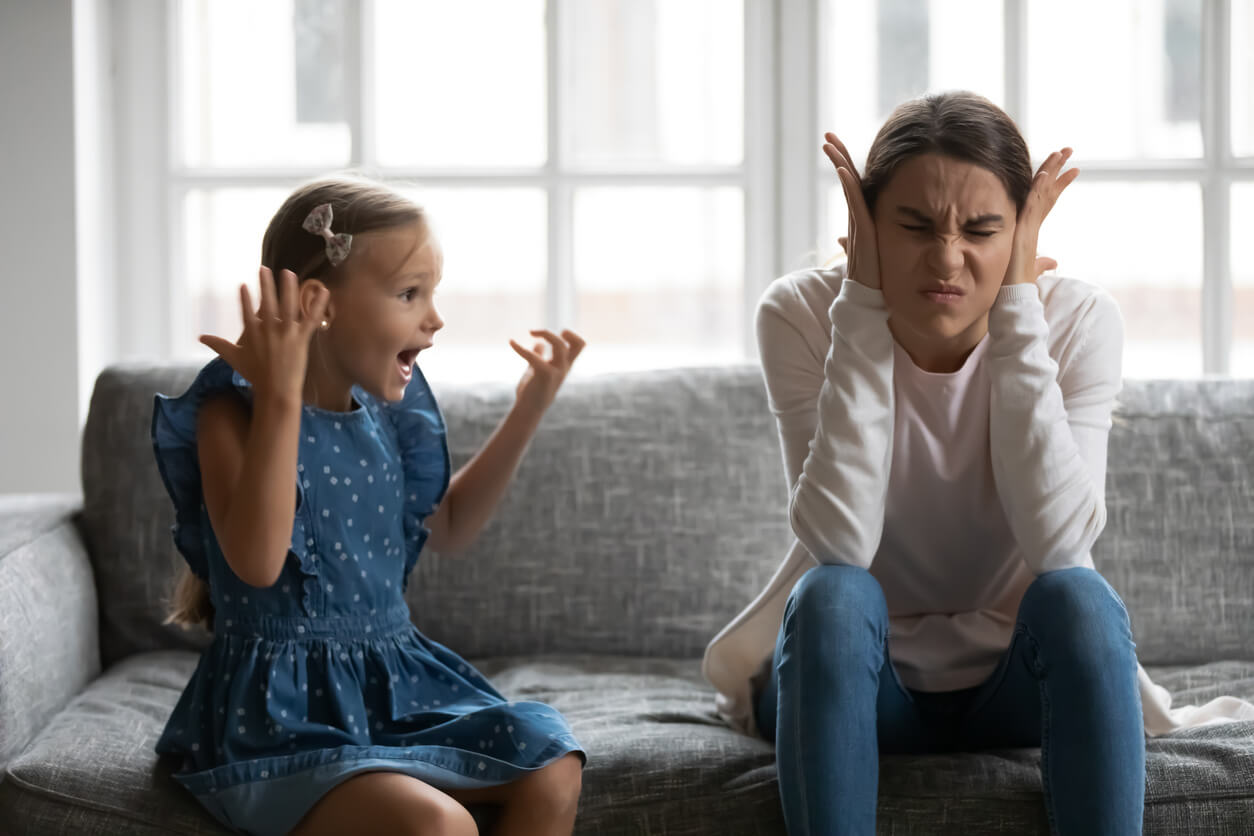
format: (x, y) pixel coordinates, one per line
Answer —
(660, 761)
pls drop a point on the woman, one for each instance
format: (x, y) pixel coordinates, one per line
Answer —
(944, 411)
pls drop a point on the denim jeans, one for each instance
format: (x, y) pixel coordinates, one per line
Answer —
(1067, 683)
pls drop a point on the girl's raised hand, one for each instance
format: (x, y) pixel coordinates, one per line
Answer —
(1047, 185)
(273, 352)
(860, 245)
(544, 376)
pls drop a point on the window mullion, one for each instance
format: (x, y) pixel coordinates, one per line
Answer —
(361, 109)
(1015, 60)
(761, 235)
(1217, 144)
(797, 155)
(559, 303)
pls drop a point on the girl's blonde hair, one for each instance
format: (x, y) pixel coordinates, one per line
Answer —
(358, 205)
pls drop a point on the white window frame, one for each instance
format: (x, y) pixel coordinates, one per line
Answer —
(783, 177)
(151, 211)
(1215, 172)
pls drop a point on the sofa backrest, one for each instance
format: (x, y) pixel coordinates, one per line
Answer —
(651, 507)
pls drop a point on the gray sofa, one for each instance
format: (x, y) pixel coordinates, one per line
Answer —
(649, 510)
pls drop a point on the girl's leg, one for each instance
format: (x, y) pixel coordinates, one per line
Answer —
(832, 699)
(398, 805)
(1069, 680)
(542, 803)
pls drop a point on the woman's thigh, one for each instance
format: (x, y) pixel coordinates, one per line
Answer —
(386, 802)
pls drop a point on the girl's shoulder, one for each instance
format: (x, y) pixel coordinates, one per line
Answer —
(174, 440)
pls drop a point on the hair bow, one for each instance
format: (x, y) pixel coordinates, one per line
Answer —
(319, 223)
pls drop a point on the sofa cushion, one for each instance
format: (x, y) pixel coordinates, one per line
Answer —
(659, 759)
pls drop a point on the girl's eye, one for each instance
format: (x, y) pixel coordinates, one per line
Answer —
(409, 293)
(982, 233)
(914, 227)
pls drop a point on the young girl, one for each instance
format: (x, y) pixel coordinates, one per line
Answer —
(308, 468)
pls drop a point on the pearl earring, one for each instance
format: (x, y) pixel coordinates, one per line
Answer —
(325, 325)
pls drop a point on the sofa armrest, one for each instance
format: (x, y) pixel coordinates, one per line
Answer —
(49, 636)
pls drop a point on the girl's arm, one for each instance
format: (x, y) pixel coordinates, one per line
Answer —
(248, 462)
(248, 473)
(477, 488)
(1048, 435)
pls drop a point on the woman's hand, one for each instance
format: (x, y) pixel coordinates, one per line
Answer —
(544, 376)
(273, 352)
(860, 245)
(1047, 185)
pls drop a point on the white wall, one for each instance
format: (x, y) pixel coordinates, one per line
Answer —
(53, 191)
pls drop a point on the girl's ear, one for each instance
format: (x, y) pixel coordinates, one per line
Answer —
(309, 290)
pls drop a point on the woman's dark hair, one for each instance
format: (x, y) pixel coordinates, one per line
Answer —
(959, 124)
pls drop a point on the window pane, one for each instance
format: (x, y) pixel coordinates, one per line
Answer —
(268, 93)
(654, 82)
(878, 53)
(1243, 281)
(659, 274)
(460, 83)
(1114, 235)
(1138, 92)
(221, 250)
(494, 244)
(1243, 77)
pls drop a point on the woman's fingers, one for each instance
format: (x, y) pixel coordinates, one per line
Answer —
(853, 196)
(844, 152)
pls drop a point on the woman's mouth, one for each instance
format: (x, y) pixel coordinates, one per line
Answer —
(944, 294)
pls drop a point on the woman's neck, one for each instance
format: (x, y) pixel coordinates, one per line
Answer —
(939, 355)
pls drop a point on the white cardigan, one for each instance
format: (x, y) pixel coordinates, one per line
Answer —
(1052, 366)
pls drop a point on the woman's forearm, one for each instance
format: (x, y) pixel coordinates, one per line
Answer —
(1048, 439)
(837, 506)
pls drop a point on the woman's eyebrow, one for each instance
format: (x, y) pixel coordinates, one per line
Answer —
(978, 220)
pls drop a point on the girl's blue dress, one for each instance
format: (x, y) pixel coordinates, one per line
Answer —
(322, 675)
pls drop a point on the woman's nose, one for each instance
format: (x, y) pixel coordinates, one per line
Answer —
(946, 256)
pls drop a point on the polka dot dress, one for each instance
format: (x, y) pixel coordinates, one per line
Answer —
(322, 675)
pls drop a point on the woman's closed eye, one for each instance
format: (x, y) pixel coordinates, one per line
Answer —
(920, 228)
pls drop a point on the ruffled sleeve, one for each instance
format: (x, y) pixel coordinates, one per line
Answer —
(420, 433)
(174, 444)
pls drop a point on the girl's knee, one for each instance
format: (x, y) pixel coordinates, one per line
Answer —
(836, 591)
(557, 786)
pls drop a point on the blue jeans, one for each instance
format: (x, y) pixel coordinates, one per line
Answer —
(1067, 683)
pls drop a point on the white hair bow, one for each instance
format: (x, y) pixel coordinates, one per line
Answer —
(319, 223)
